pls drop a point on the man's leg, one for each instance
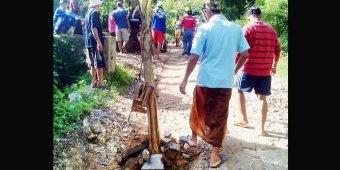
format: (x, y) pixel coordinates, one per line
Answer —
(158, 50)
(90, 54)
(120, 46)
(184, 42)
(93, 77)
(119, 39)
(214, 158)
(192, 140)
(100, 76)
(242, 107)
(263, 117)
(124, 45)
(125, 36)
(189, 44)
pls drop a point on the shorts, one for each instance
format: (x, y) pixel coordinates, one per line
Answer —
(96, 58)
(122, 34)
(157, 36)
(247, 82)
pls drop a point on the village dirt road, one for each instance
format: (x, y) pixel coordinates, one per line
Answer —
(113, 130)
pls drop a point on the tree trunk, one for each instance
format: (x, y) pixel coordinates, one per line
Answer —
(146, 51)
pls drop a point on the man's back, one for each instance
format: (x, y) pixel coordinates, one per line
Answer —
(216, 42)
(188, 22)
(120, 15)
(264, 46)
(92, 19)
(158, 20)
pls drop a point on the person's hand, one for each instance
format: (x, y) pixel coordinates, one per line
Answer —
(182, 87)
(99, 47)
(273, 70)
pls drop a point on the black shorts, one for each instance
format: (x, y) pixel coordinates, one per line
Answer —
(96, 58)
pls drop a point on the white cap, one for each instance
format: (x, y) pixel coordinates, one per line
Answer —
(94, 3)
(159, 4)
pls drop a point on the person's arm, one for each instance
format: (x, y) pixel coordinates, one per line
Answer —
(128, 22)
(95, 23)
(164, 24)
(277, 55)
(190, 67)
(96, 37)
(243, 57)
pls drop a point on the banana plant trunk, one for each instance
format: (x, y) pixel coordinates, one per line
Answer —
(146, 51)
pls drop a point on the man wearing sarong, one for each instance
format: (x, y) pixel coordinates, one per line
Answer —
(215, 45)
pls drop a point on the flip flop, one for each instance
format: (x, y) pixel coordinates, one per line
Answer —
(241, 124)
(184, 139)
(223, 158)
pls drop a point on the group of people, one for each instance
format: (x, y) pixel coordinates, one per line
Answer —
(67, 18)
(125, 27)
(216, 44)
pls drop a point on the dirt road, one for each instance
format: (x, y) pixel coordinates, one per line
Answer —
(245, 148)
(112, 129)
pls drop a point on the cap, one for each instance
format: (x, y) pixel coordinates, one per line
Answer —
(189, 12)
(254, 10)
(94, 3)
(159, 4)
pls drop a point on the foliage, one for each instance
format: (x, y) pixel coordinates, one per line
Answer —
(121, 77)
(282, 69)
(67, 113)
(180, 7)
(68, 60)
(234, 9)
(275, 13)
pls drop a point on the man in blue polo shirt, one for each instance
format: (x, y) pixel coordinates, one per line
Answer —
(215, 45)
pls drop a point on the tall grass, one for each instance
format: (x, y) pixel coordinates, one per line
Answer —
(282, 69)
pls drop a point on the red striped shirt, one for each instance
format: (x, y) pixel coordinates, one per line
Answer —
(264, 48)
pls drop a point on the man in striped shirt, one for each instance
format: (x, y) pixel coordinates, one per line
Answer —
(264, 54)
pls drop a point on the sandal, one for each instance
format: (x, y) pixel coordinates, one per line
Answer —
(223, 158)
(185, 139)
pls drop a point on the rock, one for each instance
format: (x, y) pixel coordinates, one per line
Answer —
(74, 96)
(155, 162)
(92, 138)
(166, 133)
(96, 128)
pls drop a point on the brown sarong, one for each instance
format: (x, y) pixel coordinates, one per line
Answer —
(209, 113)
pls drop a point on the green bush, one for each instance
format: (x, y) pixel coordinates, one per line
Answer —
(67, 113)
(275, 13)
(69, 60)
